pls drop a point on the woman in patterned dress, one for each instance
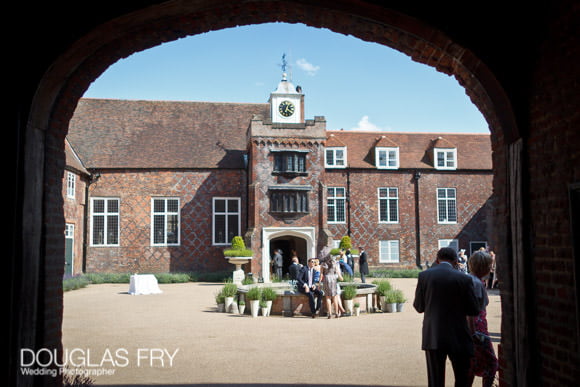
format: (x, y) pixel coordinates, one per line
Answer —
(330, 276)
(484, 362)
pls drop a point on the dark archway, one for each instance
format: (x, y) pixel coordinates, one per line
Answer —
(116, 32)
(289, 245)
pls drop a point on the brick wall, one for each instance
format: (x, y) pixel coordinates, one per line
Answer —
(195, 189)
(554, 133)
(474, 209)
(74, 213)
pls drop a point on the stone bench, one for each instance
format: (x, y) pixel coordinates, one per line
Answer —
(291, 302)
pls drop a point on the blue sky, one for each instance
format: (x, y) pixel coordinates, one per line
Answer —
(354, 84)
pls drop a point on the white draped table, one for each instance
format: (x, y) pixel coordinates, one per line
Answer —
(143, 284)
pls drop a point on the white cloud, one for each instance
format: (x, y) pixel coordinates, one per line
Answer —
(310, 69)
(365, 124)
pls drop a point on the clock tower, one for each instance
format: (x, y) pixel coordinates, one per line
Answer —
(287, 103)
(286, 202)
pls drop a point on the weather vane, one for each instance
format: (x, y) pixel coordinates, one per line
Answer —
(284, 67)
(284, 63)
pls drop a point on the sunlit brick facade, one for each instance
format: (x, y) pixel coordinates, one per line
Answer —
(172, 183)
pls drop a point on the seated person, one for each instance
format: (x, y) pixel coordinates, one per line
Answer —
(307, 285)
(317, 277)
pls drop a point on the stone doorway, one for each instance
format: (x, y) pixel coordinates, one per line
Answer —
(300, 239)
(289, 245)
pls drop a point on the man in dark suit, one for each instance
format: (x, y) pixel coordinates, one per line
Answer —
(363, 265)
(446, 296)
(306, 285)
(294, 268)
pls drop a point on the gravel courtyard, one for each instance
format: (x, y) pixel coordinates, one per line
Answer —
(178, 339)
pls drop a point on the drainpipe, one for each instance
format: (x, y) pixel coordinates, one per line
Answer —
(416, 177)
(348, 201)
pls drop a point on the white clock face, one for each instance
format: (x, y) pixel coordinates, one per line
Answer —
(286, 108)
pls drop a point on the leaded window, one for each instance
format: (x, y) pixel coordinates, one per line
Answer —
(446, 205)
(388, 205)
(226, 220)
(336, 204)
(165, 221)
(105, 221)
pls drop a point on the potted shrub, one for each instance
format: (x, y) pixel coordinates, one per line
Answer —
(264, 307)
(268, 295)
(348, 294)
(229, 291)
(383, 287)
(254, 295)
(390, 301)
(242, 306)
(237, 254)
(220, 301)
(346, 244)
(356, 309)
(400, 299)
(237, 248)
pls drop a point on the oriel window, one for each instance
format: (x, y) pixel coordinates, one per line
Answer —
(290, 162)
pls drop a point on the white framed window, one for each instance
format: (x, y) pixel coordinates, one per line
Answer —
(69, 230)
(335, 157)
(336, 204)
(453, 243)
(388, 205)
(165, 219)
(71, 179)
(389, 251)
(387, 158)
(446, 205)
(105, 219)
(445, 158)
(226, 220)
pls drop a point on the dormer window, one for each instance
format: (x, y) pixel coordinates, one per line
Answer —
(290, 162)
(445, 158)
(387, 158)
(335, 157)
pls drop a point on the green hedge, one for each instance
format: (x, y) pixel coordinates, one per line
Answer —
(81, 281)
(383, 273)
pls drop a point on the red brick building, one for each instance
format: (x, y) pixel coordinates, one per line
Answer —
(172, 182)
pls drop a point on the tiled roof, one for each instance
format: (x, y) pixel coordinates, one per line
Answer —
(72, 160)
(415, 149)
(109, 133)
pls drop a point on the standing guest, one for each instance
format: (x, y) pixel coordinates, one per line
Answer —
(491, 276)
(294, 268)
(494, 268)
(363, 265)
(446, 297)
(306, 284)
(350, 259)
(278, 262)
(344, 267)
(330, 276)
(462, 261)
(484, 363)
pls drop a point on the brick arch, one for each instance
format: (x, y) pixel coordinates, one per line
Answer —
(72, 73)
